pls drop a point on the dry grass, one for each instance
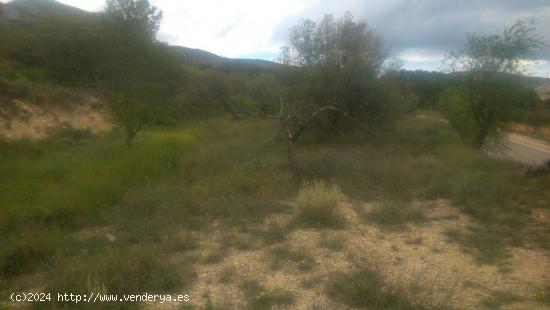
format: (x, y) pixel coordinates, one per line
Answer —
(317, 206)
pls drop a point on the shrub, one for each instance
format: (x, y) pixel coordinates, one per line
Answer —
(69, 133)
(365, 289)
(130, 270)
(317, 206)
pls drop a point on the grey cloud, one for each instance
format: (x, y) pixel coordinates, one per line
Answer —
(438, 26)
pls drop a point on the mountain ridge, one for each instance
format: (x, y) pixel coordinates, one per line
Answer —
(25, 13)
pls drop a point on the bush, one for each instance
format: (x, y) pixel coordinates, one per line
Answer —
(365, 289)
(28, 253)
(69, 133)
(317, 205)
(131, 270)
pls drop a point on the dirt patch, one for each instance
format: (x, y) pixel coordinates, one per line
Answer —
(418, 256)
(31, 121)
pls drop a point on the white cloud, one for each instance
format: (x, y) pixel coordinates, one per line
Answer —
(420, 55)
(234, 28)
(229, 28)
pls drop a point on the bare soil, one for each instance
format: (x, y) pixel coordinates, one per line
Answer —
(418, 256)
(32, 121)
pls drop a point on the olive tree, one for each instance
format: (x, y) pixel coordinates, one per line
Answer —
(133, 64)
(489, 87)
(338, 61)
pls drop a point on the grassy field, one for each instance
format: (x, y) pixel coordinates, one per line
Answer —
(87, 214)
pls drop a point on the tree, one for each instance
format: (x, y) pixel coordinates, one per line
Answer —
(134, 68)
(137, 17)
(488, 92)
(340, 61)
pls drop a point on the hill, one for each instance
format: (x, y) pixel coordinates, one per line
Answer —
(27, 12)
(207, 60)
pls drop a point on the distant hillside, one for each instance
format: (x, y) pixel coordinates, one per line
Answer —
(26, 12)
(205, 60)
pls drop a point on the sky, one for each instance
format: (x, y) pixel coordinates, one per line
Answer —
(418, 32)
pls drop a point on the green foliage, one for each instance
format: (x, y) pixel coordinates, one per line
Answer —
(456, 109)
(489, 93)
(428, 86)
(137, 17)
(476, 118)
(339, 64)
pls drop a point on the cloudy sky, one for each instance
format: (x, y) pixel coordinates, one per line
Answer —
(419, 32)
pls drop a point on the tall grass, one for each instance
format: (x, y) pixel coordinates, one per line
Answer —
(52, 182)
(317, 206)
(153, 197)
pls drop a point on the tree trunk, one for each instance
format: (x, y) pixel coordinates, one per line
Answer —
(479, 141)
(131, 134)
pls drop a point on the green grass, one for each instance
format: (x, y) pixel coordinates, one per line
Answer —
(56, 183)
